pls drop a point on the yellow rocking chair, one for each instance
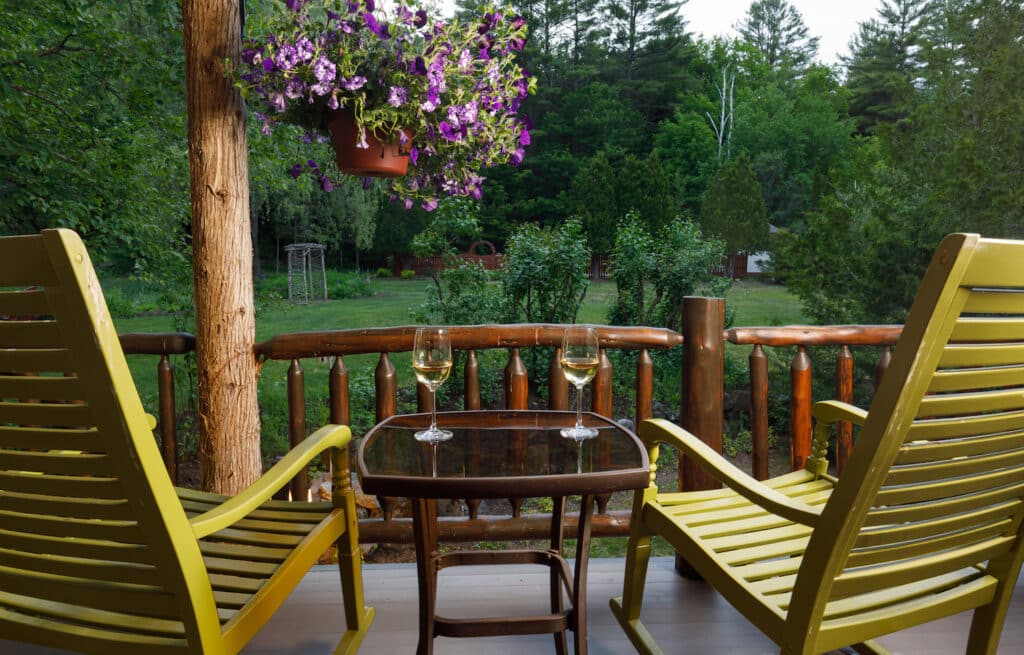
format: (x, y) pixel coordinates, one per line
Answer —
(926, 519)
(99, 553)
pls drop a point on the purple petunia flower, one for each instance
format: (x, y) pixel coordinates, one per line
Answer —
(353, 83)
(421, 18)
(397, 96)
(295, 5)
(380, 29)
(448, 132)
(326, 184)
(287, 57)
(296, 171)
(295, 88)
(524, 137)
(332, 102)
(414, 154)
(324, 70)
(430, 204)
(304, 49)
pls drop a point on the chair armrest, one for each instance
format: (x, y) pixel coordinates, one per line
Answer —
(654, 431)
(237, 507)
(830, 411)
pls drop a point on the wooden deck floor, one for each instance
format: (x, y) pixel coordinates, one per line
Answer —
(686, 617)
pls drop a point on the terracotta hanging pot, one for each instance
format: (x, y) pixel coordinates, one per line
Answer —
(379, 160)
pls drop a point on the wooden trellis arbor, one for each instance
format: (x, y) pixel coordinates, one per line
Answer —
(307, 276)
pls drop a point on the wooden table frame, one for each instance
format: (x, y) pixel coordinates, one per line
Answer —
(424, 492)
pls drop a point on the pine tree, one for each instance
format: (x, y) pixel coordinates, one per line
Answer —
(777, 31)
(732, 208)
(884, 62)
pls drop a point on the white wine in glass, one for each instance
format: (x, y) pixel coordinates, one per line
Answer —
(432, 363)
(579, 360)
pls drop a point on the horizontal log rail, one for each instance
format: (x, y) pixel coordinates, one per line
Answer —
(338, 344)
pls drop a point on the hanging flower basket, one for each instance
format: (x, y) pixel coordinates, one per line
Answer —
(378, 159)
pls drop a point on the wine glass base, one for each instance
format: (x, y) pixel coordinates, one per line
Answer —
(433, 435)
(579, 433)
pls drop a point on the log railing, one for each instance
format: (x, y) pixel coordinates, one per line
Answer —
(803, 337)
(700, 405)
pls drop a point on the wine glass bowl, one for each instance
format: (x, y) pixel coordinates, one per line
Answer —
(432, 363)
(579, 359)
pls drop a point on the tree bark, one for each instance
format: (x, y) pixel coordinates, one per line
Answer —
(229, 435)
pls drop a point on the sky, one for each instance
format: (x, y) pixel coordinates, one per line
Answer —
(833, 21)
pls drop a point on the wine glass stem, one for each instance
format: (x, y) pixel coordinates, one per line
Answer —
(433, 410)
(579, 406)
(433, 458)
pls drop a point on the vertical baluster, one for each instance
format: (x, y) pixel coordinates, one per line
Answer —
(168, 429)
(601, 388)
(386, 388)
(516, 384)
(883, 365)
(337, 383)
(558, 386)
(644, 387)
(516, 397)
(601, 403)
(471, 375)
(386, 400)
(800, 408)
(759, 412)
(844, 393)
(297, 425)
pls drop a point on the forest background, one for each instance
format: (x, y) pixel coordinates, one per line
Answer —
(862, 166)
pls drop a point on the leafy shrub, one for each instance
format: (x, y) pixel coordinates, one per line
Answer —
(408, 274)
(348, 285)
(383, 272)
(119, 304)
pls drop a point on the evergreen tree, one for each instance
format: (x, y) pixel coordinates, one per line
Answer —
(776, 30)
(884, 63)
(636, 23)
(732, 208)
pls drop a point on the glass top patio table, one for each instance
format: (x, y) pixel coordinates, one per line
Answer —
(494, 454)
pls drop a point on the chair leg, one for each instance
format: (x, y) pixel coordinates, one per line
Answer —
(987, 622)
(350, 566)
(627, 607)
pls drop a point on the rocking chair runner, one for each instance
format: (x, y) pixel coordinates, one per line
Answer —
(99, 553)
(926, 520)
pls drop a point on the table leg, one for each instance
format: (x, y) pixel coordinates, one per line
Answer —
(557, 516)
(424, 522)
(579, 582)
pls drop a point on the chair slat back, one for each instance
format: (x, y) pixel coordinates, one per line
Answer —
(935, 484)
(89, 522)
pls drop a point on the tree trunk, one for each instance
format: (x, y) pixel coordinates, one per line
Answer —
(229, 435)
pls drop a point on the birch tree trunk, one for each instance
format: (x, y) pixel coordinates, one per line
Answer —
(229, 435)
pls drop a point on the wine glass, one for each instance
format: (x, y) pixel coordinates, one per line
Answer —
(432, 363)
(579, 361)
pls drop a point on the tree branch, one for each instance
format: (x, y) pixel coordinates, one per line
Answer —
(61, 47)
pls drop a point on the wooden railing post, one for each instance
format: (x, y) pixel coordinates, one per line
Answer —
(800, 409)
(844, 393)
(758, 413)
(702, 389)
(297, 425)
(702, 410)
(168, 431)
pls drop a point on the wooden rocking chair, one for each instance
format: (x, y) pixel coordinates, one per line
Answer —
(99, 553)
(926, 519)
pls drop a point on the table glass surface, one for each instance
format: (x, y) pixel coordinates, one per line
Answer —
(498, 445)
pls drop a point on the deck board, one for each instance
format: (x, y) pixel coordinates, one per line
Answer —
(686, 617)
